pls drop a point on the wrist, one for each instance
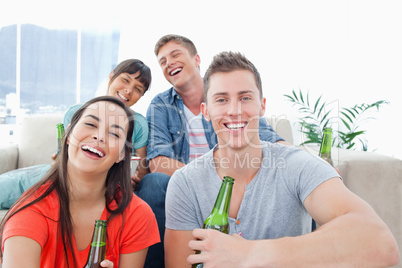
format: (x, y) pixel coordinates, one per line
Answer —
(263, 253)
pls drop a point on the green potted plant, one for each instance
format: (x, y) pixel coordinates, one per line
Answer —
(315, 115)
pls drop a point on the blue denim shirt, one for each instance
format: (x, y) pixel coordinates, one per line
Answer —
(168, 133)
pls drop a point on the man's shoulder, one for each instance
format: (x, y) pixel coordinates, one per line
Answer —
(275, 149)
(163, 97)
(292, 155)
(198, 165)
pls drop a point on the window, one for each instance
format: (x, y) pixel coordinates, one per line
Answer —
(47, 70)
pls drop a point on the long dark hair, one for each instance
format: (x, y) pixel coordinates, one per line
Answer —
(118, 185)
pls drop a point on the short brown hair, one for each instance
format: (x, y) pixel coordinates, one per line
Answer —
(227, 62)
(184, 41)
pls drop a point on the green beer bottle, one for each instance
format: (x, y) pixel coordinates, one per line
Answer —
(326, 144)
(219, 217)
(60, 132)
(98, 245)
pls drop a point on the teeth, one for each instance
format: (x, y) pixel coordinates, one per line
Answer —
(93, 150)
(175, 71)
(236, 126)
(121, 96)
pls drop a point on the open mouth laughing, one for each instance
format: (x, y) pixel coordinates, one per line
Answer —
(176, 71)
(122, 97)
(93, 151)
(235, 126)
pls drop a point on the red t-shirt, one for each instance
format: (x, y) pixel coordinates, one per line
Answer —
(39, 222)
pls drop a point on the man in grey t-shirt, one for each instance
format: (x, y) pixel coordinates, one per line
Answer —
(276, 189)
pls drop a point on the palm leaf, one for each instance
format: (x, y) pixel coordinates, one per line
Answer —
(353, 112)
(322, 107)
(294, 94)
(314, 118)
(346, 124)
(347, 116)
(316, 104)
(301, 96)
(325, 116)
(350, 146)
(291, 99)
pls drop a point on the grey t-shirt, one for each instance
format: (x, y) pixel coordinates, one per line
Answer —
(272, 205)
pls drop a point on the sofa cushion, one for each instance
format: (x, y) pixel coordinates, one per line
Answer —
(8, 157)
(15, 182)
(34, 151)
(281, 125)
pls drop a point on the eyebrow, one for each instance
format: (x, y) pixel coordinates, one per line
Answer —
(128, 76)
(246, 92)
(97, 119)
(239, 93)
(220, 94)
(173, 51)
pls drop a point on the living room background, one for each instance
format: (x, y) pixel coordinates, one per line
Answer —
(347, 51)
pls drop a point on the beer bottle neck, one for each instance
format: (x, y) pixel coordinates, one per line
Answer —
(326, 143)
(222, 202)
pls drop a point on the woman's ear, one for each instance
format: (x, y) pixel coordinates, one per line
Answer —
(111, 75)
(204, 111)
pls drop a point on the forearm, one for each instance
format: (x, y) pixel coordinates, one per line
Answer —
(142, 170)
(351, 239)
(176, 248)
(165, 165)
(142, 167)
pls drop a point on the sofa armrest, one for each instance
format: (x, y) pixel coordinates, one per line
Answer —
(8, 157)
(3, 213)
(375, 178)
(38, 139)
(281, 125)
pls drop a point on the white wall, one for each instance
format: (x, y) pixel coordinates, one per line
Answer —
(348, 51)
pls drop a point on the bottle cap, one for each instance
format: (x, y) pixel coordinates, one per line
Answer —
(229, 179)
(101, 222)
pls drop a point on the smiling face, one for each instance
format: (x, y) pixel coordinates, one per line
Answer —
(178, 66)
(97, 140)
(126, 87)
(234, 105)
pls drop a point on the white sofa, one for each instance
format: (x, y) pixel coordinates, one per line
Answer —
(37, 142)
(375, 178)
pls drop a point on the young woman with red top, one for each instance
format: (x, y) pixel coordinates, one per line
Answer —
(51, 225)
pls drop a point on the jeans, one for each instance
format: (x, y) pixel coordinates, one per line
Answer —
(152, 190)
